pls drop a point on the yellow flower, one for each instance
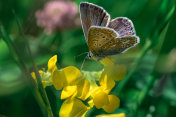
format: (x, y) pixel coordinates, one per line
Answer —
(77, 87)
(72, 75)
(68, 76)
(101, 98)
(58, 79)
(106, 83)
(83, 88)
(46, 76)
(73, 108)
(74, 83)
(112, 115)
(69, 91)
(114, 103)
(52, 64)
(113, 71)
(79, 90)
(100, 94)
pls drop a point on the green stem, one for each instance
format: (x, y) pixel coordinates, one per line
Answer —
(18, 59)
(41, 89)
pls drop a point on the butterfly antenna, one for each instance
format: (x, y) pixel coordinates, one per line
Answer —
(82, 64)
(81, 54)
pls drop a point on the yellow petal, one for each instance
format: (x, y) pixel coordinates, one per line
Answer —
(72, 75)
(120, 72)
(73, 108)
(116, 72)
(107, 61)
(112, 115)
(68, 91)
(83, 88)
(52, 63)
(114, 102)
(58, 79)
(91, 103)
(106, 83)
(40, 72)
(33, 75)
(100, 99)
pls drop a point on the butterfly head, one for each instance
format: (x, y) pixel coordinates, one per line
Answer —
(89, 55)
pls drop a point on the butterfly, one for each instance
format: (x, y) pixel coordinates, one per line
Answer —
(104, 37)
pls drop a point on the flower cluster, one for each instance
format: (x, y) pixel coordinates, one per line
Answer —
(58, 15)
(77, 87)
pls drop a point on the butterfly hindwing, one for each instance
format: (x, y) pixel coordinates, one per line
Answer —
(123, 26)
(119, 45)
(92, 15)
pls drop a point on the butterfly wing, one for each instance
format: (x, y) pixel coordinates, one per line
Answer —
(92, 15)
(123, 26)
(104, 41)
(119, 45)
(98, 37)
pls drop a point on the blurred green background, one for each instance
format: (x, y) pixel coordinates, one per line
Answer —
(149, 88)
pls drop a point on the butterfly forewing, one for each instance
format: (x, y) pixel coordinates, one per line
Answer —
(123, 26)
(98, 37)
(92, 15)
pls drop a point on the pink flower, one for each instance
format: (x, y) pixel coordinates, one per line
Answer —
(57, 15)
